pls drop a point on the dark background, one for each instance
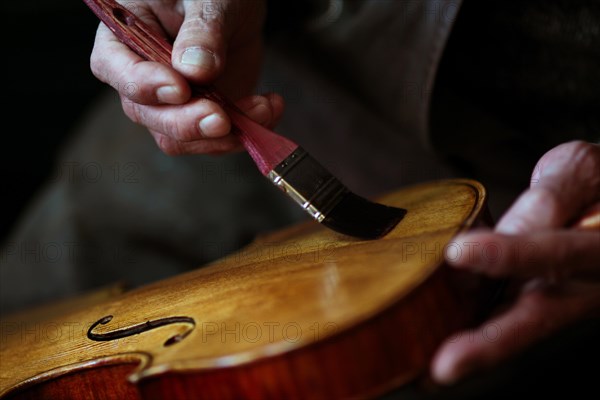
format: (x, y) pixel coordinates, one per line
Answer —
(48, 87)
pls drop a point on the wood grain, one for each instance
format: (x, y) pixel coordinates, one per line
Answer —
(301, 313)
(100, 382)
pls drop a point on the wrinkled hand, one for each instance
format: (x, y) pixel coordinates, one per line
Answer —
(215, 42)
(560, 266)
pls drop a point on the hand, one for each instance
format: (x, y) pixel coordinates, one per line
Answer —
(560, 266)
(217, 41)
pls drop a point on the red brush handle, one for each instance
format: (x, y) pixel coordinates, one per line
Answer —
(265, 147)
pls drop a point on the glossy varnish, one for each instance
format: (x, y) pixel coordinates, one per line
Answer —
(303, 313)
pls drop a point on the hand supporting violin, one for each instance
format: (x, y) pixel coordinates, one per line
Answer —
(536, 242)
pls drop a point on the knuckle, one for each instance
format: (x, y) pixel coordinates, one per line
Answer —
(187, 132)
(212, 13)
(540, 204)
(95, 64)
(578, 145)
(222, 146)
(141, 10)
(132, 91)
(589, 155)
(177, 128)
(126, 80)
(132, 110)
(585, 158)
(200, 25)
(260, 100)
(209, 19)
(168, 146)
(546, 198)
(98, 65)
(584, 153)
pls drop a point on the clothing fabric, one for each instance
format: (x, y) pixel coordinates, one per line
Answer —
(118, 209)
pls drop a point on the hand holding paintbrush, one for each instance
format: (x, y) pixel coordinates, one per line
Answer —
(287, 165)
(216, 41)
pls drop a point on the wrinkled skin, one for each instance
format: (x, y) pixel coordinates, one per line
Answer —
(214, 42)
(534, 243)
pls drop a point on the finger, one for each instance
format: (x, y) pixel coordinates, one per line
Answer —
(141, 81)
(535, 315)
(197, 119)
(173, 147)
(256, 107)
(564, 182)
(259, 108)
(200, 47)
(266, 110)
(277, 106)
(554, 254)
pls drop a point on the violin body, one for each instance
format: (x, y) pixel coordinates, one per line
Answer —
(302, 313)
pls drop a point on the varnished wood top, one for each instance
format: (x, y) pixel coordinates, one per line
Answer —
(282, 292)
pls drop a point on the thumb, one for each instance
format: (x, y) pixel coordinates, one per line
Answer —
(200, 47)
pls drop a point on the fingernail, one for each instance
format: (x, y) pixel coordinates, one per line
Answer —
(168, 94)
(198, 57)
(213, 126)
(259, 113)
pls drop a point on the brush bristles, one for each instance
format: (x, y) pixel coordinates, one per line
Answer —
(328, 201)
(359, 217)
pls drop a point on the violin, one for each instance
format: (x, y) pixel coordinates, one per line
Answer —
(301, 313)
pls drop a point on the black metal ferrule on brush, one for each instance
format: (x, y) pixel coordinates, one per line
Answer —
(328, 201)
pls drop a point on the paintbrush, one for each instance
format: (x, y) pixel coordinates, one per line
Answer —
(282, 161)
